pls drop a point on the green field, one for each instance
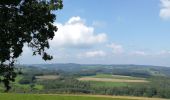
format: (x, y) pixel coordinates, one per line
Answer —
(17, 86)
(116, 77)
(68, 97)
(52, 97)
(108, 80)
(47, 77)
(108, 84)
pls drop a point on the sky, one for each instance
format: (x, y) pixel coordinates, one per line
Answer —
(109, 32)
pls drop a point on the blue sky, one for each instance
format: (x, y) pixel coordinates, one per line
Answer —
(110, 32)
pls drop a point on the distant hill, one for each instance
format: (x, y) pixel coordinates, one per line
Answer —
(117, 69)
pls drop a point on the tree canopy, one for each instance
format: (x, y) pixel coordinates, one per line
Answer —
(24, 22)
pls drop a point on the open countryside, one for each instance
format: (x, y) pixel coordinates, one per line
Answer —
(110, 80)
(90, 79)
(84, 49)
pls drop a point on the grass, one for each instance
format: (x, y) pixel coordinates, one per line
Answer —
(68, 97)
(112, 80)
(116, 77)
(108, 80)
(16, 85)
(47, 77)
(38, 87)
(108, 84)
(52, 97)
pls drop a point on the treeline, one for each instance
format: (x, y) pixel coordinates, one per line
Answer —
(66, 85)
(135, 91)
(130, 72)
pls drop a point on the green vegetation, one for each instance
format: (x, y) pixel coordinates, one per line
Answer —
(67, 97)
(112, 80)
(96, 80)
(47, 77)
(116, 76)
(107, 84)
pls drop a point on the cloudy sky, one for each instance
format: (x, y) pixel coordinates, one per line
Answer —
(110, 32)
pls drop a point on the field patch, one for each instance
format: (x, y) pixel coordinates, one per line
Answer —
(108, 84)
(117, 77)
(112, 80)
(47, 77)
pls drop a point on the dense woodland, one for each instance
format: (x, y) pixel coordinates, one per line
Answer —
(67, 80)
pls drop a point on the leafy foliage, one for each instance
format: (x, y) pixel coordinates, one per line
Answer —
(24, 22)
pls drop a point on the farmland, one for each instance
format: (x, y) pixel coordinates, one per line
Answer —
(98, 84)
(111, 80)
(47, 77)
(107, 80)
(117, 77)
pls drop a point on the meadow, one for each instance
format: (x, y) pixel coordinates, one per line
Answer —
(47, 77)
(120, 79)
(68, 97)
(117, 77)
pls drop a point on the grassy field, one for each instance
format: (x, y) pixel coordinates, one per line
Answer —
(117, 77)
(113, 78)
(16, 85)
(108, 84)
(68, 97)
(47, 77)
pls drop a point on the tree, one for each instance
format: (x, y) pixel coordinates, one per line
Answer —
(24, 22)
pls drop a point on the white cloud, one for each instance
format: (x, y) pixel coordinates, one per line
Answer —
(165, 9)
(139, 53)
(75, 20)
(75, 33)
(27, 57)
(116, 48)
(97, 53)
(99, 24)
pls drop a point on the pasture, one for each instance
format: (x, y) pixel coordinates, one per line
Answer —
(47, 77)
(68, 97)
(113, 78)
